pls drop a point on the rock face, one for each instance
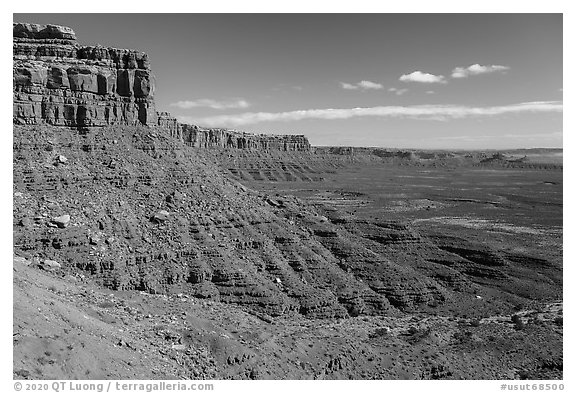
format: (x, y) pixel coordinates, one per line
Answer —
(59, 82)
(221, 138)
(148, 213)
(196, 136)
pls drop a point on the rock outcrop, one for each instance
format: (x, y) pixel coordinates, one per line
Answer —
(201, 137)
(222, 138)
(59, 82)
(135, 209)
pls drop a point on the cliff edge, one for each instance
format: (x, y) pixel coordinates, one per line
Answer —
(56, 81)
(59, 82)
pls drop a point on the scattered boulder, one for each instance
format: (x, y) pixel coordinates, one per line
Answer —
(275, 202)
(21, 260)
(50, 264)
(160, 217)
(25, 222)
(61, 221)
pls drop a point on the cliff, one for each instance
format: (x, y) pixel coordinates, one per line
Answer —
(59, 82)
(196, 136)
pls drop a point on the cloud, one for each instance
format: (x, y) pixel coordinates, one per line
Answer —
(422, 112)
(422, 77)
(557, 136)
(396, 91)
(348, 86)
(370, 85)
(362, 85)
(477, 69)
(214, 104)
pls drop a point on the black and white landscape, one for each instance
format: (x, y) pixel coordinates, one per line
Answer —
(301, 196)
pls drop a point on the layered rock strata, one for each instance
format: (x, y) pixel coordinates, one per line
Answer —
(221, 138)
(59, 82)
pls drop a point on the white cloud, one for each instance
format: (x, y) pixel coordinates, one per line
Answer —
(396, 91)
(422, 77)
(430, 92)
(348, 86)
(214, 104)
(370, 85)
(363, 85)
(422, 112)
(477, 69)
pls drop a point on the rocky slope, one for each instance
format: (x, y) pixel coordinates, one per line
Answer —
(113, 195)
(65, 327)
(135, 209)
(159, 219)
(133, 206)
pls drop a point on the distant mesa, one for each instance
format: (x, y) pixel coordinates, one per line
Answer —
(56, 81)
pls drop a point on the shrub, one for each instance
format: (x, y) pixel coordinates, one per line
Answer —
(380, 332)
(518, 323)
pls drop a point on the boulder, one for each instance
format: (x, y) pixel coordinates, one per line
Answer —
(50, 264)
(21, 260)
(160, 216)
(61, 221)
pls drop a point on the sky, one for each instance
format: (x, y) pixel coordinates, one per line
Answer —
(438, 81)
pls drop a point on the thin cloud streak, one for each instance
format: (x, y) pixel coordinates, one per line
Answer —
(214, 104)
(421, 112)
(396, 91)
(362, 85)
(477, 69)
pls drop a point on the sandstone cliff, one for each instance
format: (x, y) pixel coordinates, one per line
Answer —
(59, 82)
(196, 136)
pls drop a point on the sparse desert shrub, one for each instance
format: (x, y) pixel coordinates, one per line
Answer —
(518, 323)
(417, 334)
(524, 374)
(380, 332)
(559, 321)
(462, 336)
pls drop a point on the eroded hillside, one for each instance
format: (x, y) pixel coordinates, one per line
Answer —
(113, 198)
